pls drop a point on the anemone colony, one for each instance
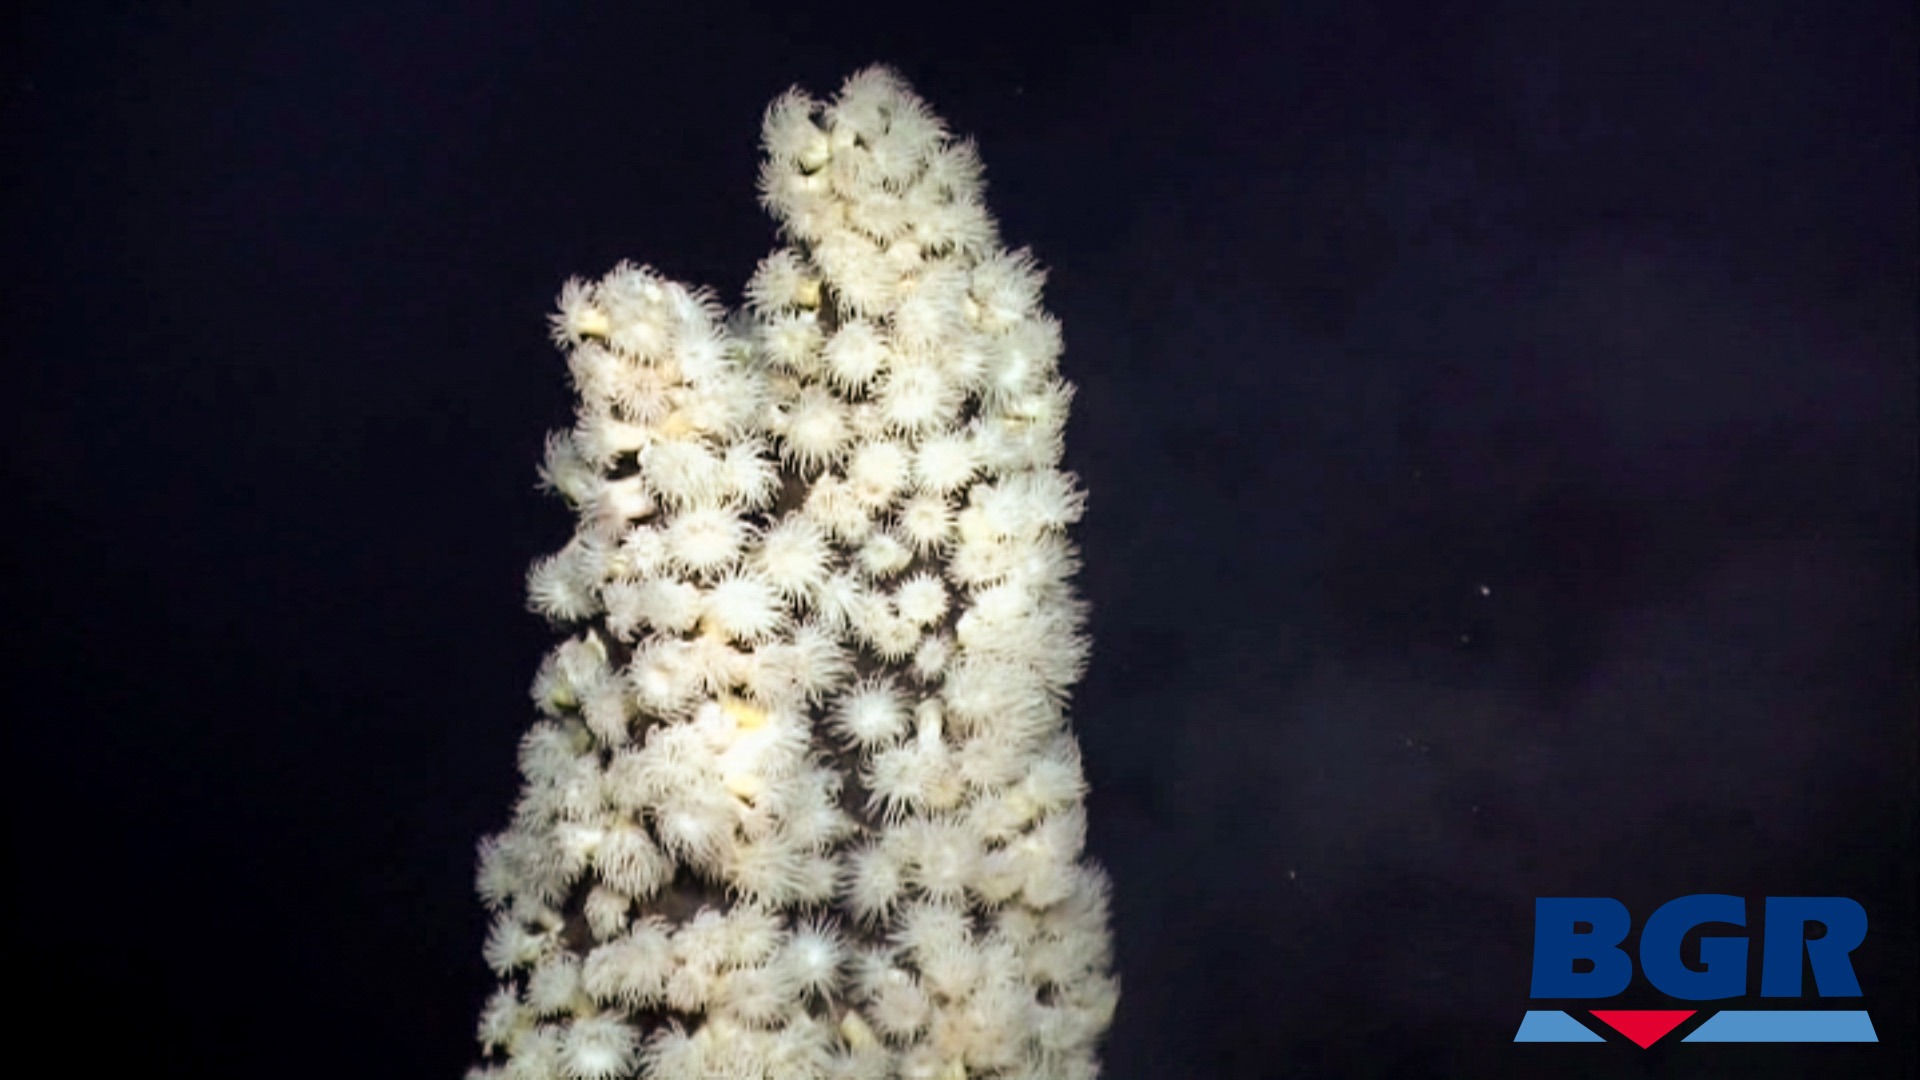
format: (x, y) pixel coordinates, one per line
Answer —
(802, 800)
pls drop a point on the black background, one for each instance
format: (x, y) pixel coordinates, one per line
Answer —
(1499, 421)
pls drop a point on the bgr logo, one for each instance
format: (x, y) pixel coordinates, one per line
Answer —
(1578, 953)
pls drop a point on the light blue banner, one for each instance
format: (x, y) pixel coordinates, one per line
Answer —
(1545, 1025)
(1775, 1026)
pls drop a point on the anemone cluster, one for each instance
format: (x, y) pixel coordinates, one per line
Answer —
(802, 800)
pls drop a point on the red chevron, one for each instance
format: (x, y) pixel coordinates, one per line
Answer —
(1644, 1026)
